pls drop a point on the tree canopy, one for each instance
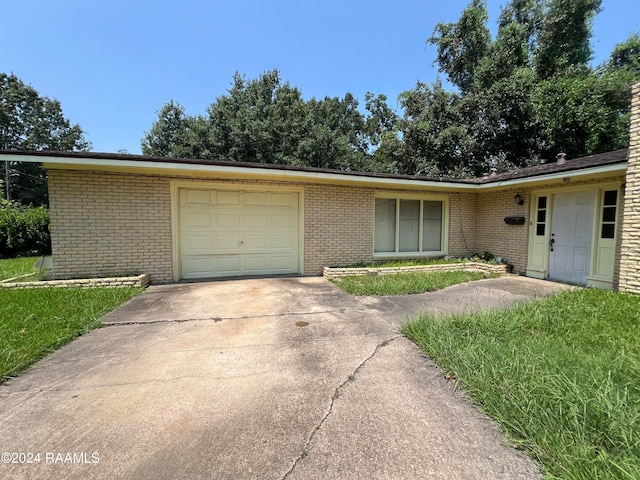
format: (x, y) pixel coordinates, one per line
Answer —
(506, 101)
(527, 94)
(29, 121)
(266, 120)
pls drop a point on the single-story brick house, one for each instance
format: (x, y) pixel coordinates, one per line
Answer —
(178, 219)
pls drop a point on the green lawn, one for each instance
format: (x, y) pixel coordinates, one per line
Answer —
(35, 322)
(15, 267)
(561, 375)
(404, 283)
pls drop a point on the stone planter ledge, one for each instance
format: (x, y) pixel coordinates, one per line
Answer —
(333, 273)
(137, 281)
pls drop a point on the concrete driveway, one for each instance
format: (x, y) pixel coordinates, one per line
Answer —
(285, 378)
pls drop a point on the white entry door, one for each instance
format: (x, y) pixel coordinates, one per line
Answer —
(571, 236)
(235, 232)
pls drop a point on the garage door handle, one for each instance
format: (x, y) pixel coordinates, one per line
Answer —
(241, 242)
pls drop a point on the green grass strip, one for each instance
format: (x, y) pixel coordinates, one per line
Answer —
(404, 283)
(35, 322)
(561, 375)
(16, 267)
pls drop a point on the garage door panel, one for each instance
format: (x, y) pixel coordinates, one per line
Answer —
(282, 263)
(255, 198)
(238, 233)
(226, 243)
(195, 197)
(197, 219)
(283, 222)
(197, 267)
(256, 264)
(193, 244)
(256, 242)
(279, 242)
(255, 221)
(227, 266)
(226, 221)
(285, 199)
(227, 197)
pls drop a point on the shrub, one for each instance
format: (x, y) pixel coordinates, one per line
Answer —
(24, 231)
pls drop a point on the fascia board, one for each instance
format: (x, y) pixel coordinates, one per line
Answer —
(157, 168)
(141, 166)
(582, 174)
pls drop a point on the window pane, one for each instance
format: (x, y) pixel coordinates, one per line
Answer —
(431, 226)
(610, 197)
(542, 216)
(608, 230)
(540, 229)
(542, 202)
(609, 214)
(385, 225)
(409, 225)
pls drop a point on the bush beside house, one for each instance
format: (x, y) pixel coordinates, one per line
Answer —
(24, 231)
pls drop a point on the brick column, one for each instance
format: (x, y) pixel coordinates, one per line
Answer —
(630, 248)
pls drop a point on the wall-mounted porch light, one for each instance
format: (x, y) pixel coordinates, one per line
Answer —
(519, 200)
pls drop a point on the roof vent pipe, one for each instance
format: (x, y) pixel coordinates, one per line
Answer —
(561, 158)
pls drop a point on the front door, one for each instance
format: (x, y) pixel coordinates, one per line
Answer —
(571, 236)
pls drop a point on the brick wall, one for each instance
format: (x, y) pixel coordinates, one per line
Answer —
(110, 225)
(462, 224)
(629, 280)
(493, 235)
(338, 226)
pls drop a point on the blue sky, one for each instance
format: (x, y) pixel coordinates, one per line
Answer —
(113, 64)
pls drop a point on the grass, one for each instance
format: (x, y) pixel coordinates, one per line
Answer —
(35, 322)
(15, 267)
(404, 283)
(561, 375)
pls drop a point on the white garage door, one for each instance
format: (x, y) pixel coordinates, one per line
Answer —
(231, 232)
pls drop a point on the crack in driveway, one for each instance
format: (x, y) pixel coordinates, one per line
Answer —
(219, 319)
(307, 446)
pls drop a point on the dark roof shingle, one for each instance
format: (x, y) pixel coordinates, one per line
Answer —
(597, 160)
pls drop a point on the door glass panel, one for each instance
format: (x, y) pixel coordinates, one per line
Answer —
(608, 230)
(611, 197)
(542, 202)
(609, 209)
(609, 214)
(541, 217)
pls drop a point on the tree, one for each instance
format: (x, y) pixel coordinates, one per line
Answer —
(29, 121)
(260, 120)
(626, 56)
(565, 32)
(462, 45)
(524, 95)
(175, 134)
(266, 120)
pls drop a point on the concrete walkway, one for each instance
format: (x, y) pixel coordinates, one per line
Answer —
(265, 379)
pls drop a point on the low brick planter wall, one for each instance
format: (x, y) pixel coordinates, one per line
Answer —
(333, 273)
(137, 281)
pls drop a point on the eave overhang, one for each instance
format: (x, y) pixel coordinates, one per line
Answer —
(228, 170)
